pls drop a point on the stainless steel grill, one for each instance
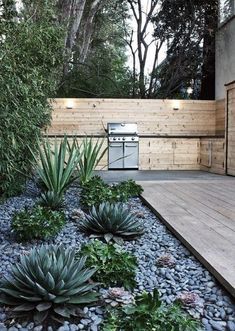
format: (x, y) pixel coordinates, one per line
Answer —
(123, 143)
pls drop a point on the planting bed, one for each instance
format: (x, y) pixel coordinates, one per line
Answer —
(184, 274)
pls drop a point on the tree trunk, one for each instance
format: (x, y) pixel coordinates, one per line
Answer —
(208, 68)
(88, 30)
(76, 13)
(71, 13)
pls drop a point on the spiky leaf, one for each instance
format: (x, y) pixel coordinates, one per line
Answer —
(49, 282)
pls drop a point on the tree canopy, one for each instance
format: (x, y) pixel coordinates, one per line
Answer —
(114, 48)
(111, 31)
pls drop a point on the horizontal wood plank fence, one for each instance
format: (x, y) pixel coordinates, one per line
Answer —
(174, 134)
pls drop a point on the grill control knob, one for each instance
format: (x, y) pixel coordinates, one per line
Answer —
(114, 138)
(133, 138)
(123, 138)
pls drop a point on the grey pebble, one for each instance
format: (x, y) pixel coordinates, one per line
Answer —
(38, 328)
(218, 325)
(85, 321)
(231, 326)
(98, 321)
(188, 275)
(64, 328)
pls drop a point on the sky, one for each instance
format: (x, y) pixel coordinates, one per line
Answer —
(150, 31)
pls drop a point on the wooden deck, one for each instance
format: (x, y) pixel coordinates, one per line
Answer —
(201, 213)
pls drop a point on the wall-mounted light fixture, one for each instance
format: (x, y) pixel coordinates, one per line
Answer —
(176, 105)
(69, 104)
(189, 90)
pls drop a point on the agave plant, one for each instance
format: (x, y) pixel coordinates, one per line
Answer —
(91, 154)
(111, 221)
(51, 199)
(48, 282)
(56, 167)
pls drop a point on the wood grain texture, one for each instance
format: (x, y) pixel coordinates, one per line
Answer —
(154, 117)
(220, 117)
(230, 129)
(212, 155)
(202, 215)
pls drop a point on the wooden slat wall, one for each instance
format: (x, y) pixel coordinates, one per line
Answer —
(220, 117)
(169, 139)
(154, 117)
(212, 155)
(231, 129)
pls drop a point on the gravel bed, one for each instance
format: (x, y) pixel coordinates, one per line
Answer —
(214, 306)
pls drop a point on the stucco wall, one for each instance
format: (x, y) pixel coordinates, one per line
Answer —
(225, 57)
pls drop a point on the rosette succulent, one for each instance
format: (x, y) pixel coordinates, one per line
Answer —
(117, 296)
(112, 222)
(166, 260)
(48, 282)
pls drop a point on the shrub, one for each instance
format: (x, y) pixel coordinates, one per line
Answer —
(48, 283)
(111, 222)
(96, 191)
(126, 190)
(31, 50)
(37, 223)
(115, 267)
(55, 169)
(91, 154)
(149, 313)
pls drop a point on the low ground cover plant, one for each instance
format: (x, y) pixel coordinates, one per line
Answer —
(96, 191)
(149, 313)
(37, 223)
(127, 189)
(48, 283)
(115, 267)
(112, 222)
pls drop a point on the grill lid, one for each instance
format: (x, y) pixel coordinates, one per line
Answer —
(122, 129)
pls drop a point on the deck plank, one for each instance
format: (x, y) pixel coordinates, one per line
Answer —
(202, 215)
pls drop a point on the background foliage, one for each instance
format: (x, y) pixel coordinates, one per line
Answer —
(31, 53)
(103, 71)
(183, 31)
